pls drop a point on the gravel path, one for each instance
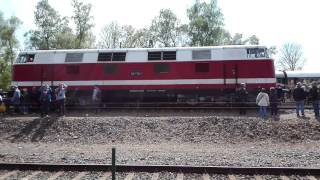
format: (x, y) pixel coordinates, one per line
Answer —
(188, 139)
(248, 154)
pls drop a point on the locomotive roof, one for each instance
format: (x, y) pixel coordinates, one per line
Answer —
(143, 49)
(298, 74)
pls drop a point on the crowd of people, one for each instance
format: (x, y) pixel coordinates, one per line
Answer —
(44, 98)
(276, 95)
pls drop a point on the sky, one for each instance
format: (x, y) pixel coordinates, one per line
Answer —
(274, 22)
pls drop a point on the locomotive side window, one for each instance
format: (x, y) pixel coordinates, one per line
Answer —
(116, 56)
(104, 56)
(110, 69)
(257, 53)
(72, 69)
(119, 56)
(202, 67)
(161, 68)
(162, 55)
(169, 55)
(154, 56)
(201, 54)
(74, 57)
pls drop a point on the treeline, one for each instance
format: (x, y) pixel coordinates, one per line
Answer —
(205, 28)
(8, 47)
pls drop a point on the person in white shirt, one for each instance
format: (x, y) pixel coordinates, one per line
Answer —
(15, 99)
(263, 102)
(96, 97)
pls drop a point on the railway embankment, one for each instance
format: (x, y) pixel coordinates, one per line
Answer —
(186, 139)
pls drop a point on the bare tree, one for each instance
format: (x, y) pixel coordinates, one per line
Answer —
(110, 36)
(291, 57)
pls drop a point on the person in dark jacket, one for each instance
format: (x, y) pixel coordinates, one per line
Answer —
(45, 99)
(242, 96)
(280, 93)
(274, 102)
(299, 96)
(34, 98)
(314, 98)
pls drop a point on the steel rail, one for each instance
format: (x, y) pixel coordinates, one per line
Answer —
(180, 107)
(161, 168)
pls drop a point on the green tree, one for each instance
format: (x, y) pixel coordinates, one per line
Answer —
(253, 40)
(291, 57)
(8, 45)
(165, 29)
(82, 19)
(48, 22)
(206, 24)
(238, 39)
(53, 31)
(142, 38)
(65, 38)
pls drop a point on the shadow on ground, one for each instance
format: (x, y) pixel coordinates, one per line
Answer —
(35, 130)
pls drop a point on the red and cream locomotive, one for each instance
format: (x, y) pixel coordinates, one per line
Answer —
(199, 74)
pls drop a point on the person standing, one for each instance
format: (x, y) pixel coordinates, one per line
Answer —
(314, 97)
(242, 96)
(263, 102)
(274, 102)
(299, 96)
(15, 100)
(280, 93)
(45, 100)
(96, 97)
(34, 99)
(2, 106)
(24, 101)
(61, 98)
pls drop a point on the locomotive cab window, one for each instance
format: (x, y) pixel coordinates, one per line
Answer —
(30, 57)
(257, 53)
(202, 67)
(115, 56)
(162, 55)
(25, 58)
(161, 68)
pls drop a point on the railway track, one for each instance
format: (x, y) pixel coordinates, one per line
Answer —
(166, 106)
(102, 171)
(173, 105)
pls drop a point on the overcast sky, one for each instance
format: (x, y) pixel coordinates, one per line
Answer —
(273, 21)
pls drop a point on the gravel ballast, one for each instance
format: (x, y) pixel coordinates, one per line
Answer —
(205, 139)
